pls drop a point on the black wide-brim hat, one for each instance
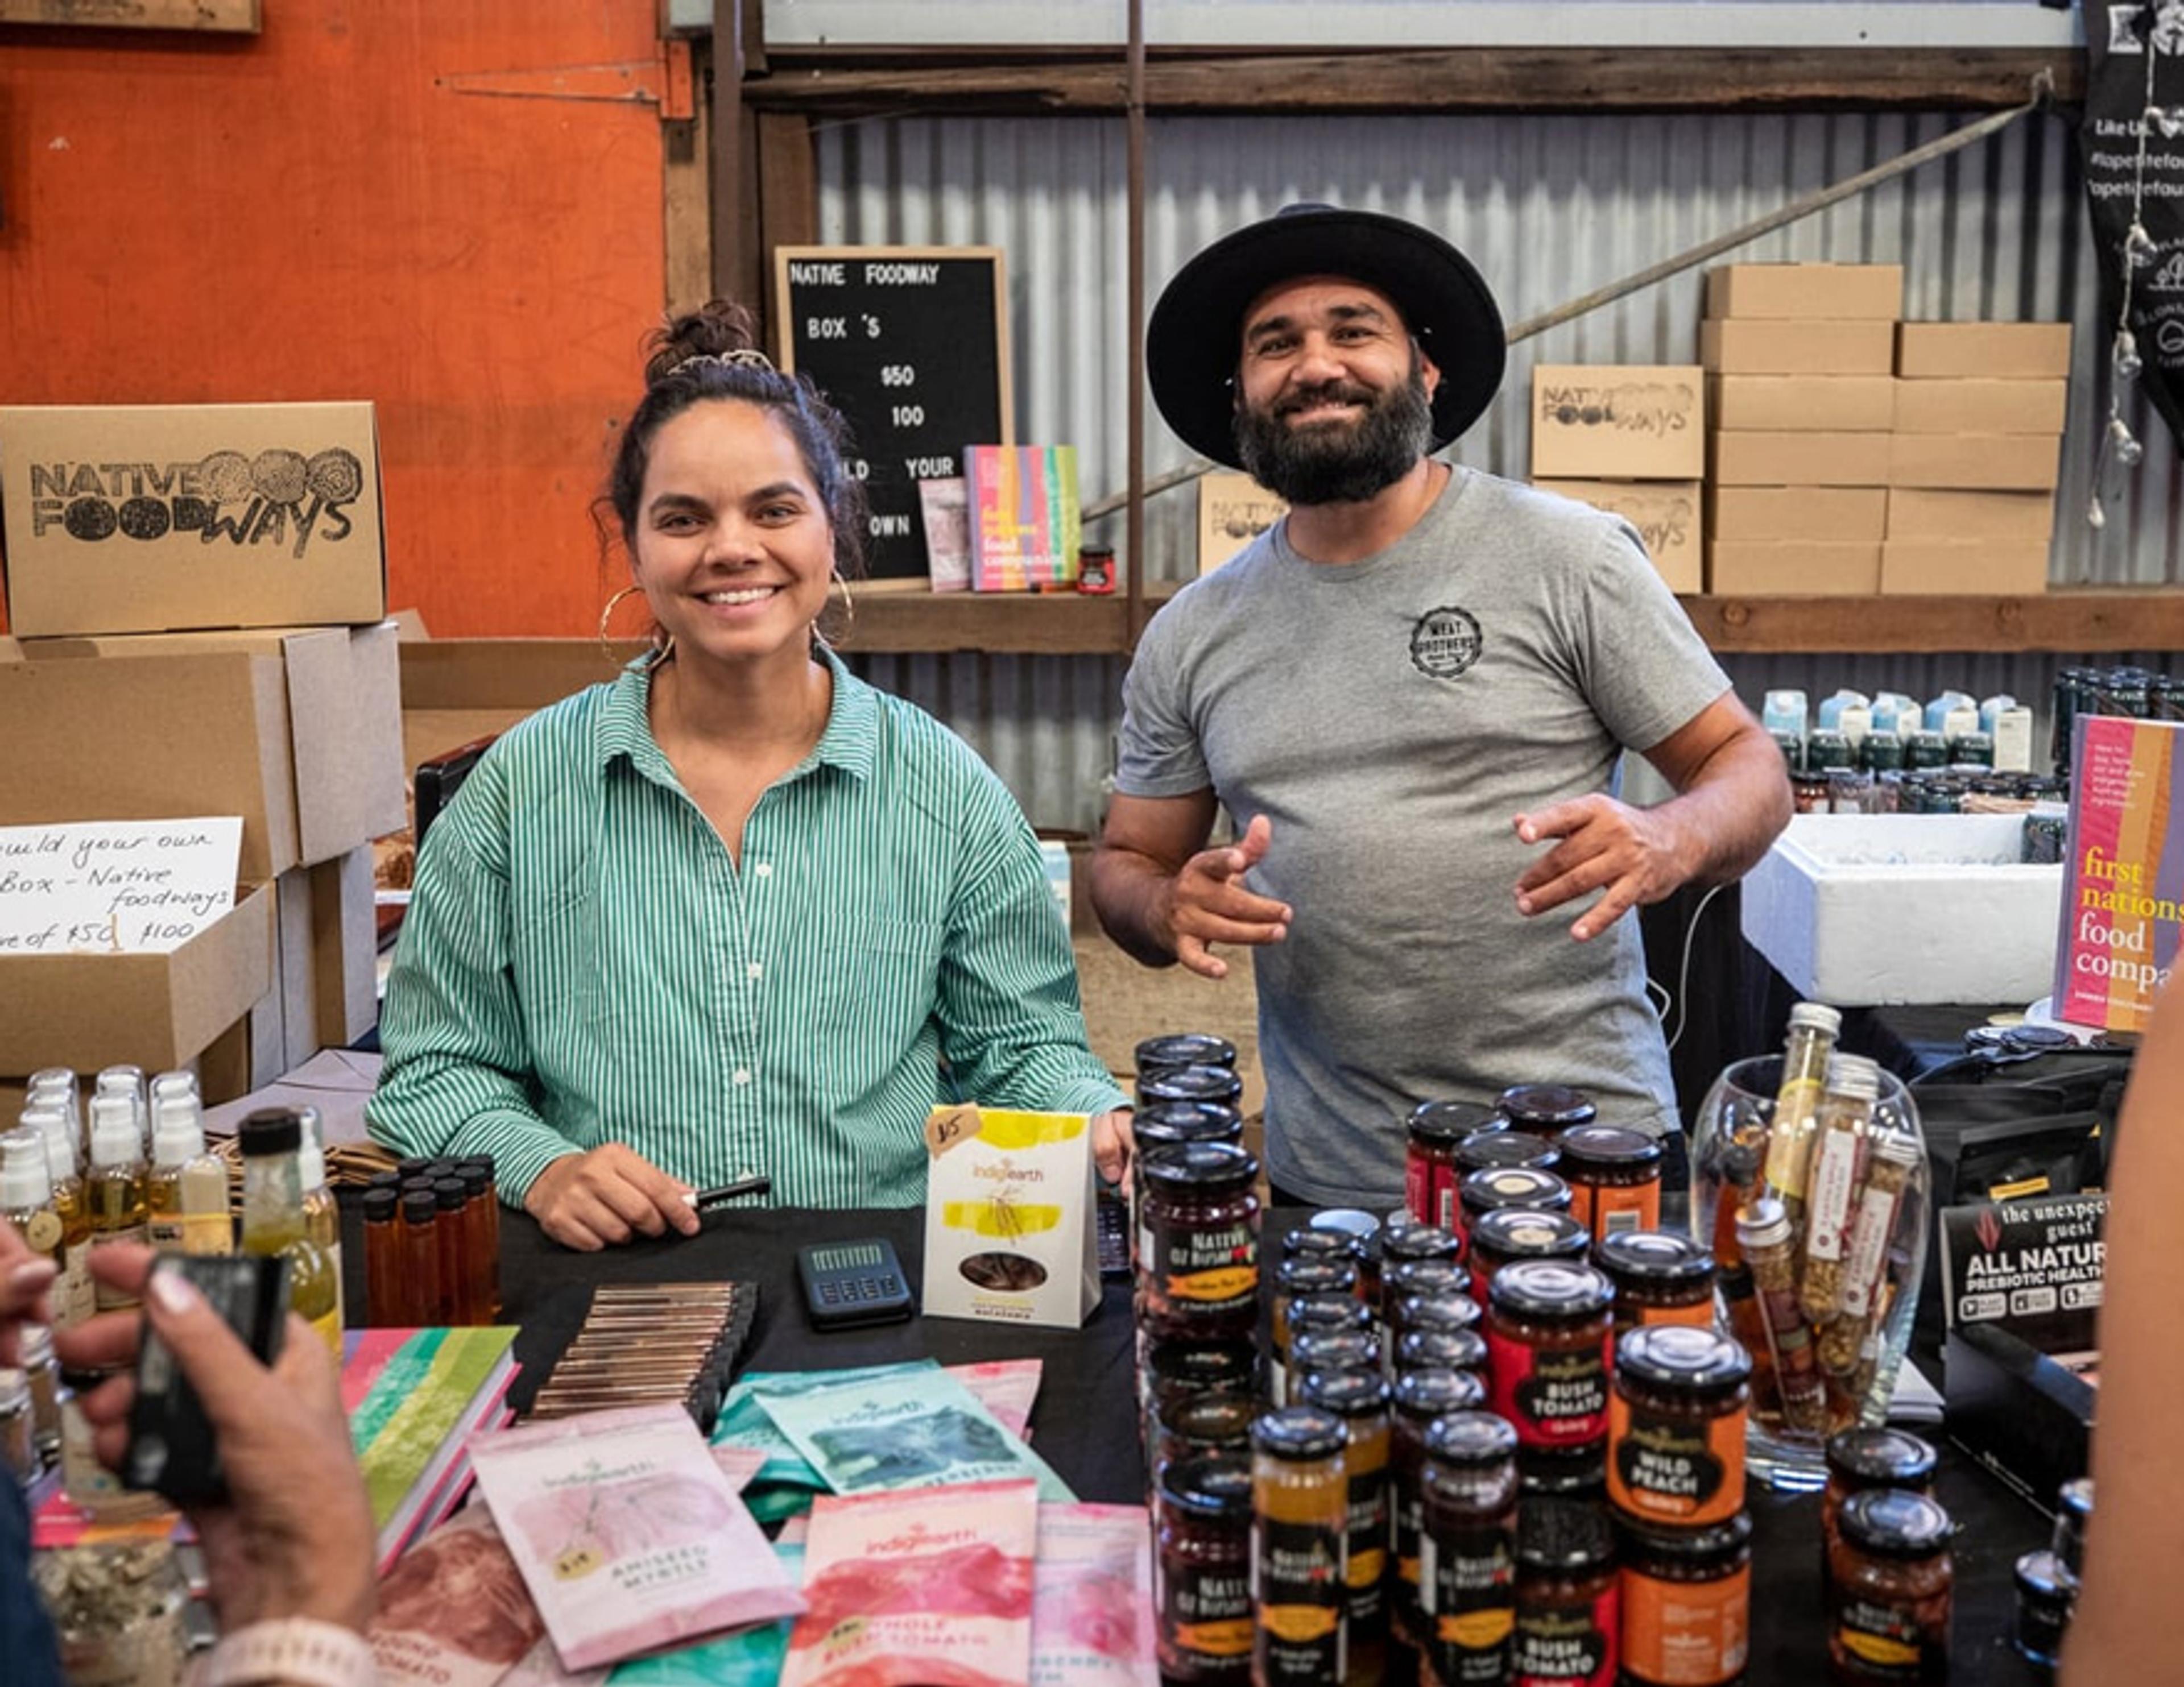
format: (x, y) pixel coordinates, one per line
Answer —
(1195, 337)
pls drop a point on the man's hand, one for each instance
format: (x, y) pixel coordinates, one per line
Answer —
(1113, 1147)
(604, 1198)
(1206, 904)
(295, 1538)
(1633, 855)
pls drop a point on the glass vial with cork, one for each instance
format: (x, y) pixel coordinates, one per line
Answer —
(1813, 1028)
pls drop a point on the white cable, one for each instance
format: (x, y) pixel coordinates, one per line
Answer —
(1682, 1002)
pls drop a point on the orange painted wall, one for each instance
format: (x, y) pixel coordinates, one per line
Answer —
(312, 213)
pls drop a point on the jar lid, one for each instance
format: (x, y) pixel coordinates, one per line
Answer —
(1190, 1083)
(1437, 1392)
(1346, 1393)
(1881, 1458)
(1327, 1312)
(2042, 1575)
(1167, 1121)
(270, 1130)
(1209, 1485)
(1439, 1350)
(1546, 1473)
(1427, 1276)
(1658, 1258)
(1514, 1186)
(1563, 1534)
(1184, 1049)
(1682, 1356)
(1299, 1432)
(1550, 1289)
(1528, 1235)
(1221, 1416)
(1815, 1016)
(1471, 1437)
(1555, 1106)
(1409, 1242)
(1448, 1122)
(1309, 1276)
(1894, 1523)
(379, 1205)
(1612, 1146)
(1202, 1365)
(1331, 1350)
(1320, 1246)
(1443, 1311)
(1763, 1224)
(1353, 1224)
(1199, 1167)
(1502, 1146)
(1728, 1539)
(2075, 1501)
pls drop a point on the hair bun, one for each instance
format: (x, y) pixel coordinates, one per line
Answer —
(713, 330)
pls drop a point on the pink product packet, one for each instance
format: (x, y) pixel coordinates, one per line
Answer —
(628, 1533)
(738, 1464)
(453, 1612)
(1006, 1388)
(1092, 1599)
(927, 1587)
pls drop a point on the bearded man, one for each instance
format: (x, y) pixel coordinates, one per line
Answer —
(1412, 695)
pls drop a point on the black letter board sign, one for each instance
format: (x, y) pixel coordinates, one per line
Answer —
(911, 344)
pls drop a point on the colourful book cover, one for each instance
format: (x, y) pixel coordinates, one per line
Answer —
(1025, 523)
(2123, 873)
(412, 1398)
(912, 1589)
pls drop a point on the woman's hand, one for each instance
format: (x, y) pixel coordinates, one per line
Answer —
(295, 1537)
(604, 1198)
(24, 1277)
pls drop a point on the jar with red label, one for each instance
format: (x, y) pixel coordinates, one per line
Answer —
(1501, 1238)
(1891, 1586)
(1569, 1626)
(1467, 1530)
(1614, 1178)
(1440, 1351)
(1687, 1602)
(1199, 1243)
(1547, 1109)
(1548, 1326)
(1660, 1277)
(1675, 1426)
(1501, 1188)
(1431, 1172)
(1202, 1572)
(1421, 1398)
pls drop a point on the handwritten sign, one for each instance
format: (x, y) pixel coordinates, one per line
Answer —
(115, 886)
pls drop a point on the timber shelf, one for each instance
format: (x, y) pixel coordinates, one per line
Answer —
(2085, 621)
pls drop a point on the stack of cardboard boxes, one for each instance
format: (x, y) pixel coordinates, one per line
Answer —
(1629, 438)
(197, 596)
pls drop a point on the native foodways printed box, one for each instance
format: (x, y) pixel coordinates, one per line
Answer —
(2123, 888)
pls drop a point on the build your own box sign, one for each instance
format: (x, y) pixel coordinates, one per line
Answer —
(151, 518)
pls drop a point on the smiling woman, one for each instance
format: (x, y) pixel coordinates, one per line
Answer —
(727, 913)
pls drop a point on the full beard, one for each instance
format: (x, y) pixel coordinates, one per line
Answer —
(1337, 463)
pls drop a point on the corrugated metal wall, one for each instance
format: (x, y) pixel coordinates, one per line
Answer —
(1550, 207)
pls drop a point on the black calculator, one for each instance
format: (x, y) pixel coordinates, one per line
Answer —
(850, 1283)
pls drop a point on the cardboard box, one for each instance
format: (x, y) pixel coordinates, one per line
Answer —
(1793, 568)
(249, 1055)
(150, 740)
(143, 518)
(1861, 910)
(344, 688)
(1916, 513)
(1973, 462)
(345, 949)
(1618, 422)
(1794, 459)
(1669, 516)
(157, 1011)
(1971, 568)
(1838, 514)
(1760, 346)
(1232, 510)
(1991, 350)
(1803, 404)
(1982, 406)
(1808, 292)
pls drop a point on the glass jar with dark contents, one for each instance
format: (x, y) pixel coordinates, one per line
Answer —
(1157, 1055)
(1199, 1243)
(1361, 1401)
(1440, 1351)
(1547, 1109)
(1180, 1122)
(1315, 1315)
(1326, 1352)
(1506, 1188)
(1498, 1145)
(1891, 1586)
(1217, 1084)
(1865, 1461)
(1420, 1398)
(1430, 1171)
(1579, 1474)
(2074, 1514)
(1444, 1313)
(1501, 1239)
(1548, 1326)
(1675, 1426)
(1614, 1178)
(1302, 1278)
(1419, 1276)
(1202, 1572)
(1686, 1597)
(1301, 1518)
(1660, 1277)
(1321, 1246)
(2047, 1596)
(1407, 1251)
(1192, 1426)
(1169, 1370)
(1467, 1530)
(1568, 1609)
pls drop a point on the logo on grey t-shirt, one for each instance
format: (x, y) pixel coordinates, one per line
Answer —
(1446, 642)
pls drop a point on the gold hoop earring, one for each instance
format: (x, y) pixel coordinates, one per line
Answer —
(848, 604)
(606, 645)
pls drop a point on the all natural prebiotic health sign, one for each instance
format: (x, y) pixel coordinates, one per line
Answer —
(2123, 902)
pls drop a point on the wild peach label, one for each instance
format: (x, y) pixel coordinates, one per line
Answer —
(1675, 1469)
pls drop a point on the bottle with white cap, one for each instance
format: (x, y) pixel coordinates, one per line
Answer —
(116, 1188)
(129, 1081)
(56, 1086)
(72, 1296)
(26, 1193)
(186, 1195)
(321, 1213)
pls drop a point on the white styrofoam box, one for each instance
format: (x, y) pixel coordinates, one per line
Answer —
(1862, 910)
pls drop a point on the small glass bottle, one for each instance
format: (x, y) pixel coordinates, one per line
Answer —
(1837, 1171)
(1361, 1401)
(1549, 1325)
(1198, 1237)
(1813, 1028)
(1300, 1521)
(1431, 1172)
(115, 1192)
(2046, 1596)
(1891, 1584)
(185, 1194)
(1468, 1549)
(273, 1221)
(26, 1194)
(383, 1295)
(321, 1214)
(1547, 1109)
(483, 1239)
(1202, 1572)
(128, 1082)
(1764, 1235)
(1676, 1424)
(2074, 1514)
(1420, 1397)
(1570, 1622)
(450, 1235)
(1660, 1277)
(422, 1308)
(74, 1297)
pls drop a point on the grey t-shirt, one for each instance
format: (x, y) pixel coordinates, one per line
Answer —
(1390, 718)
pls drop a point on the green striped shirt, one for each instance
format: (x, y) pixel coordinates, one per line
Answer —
(582, 961)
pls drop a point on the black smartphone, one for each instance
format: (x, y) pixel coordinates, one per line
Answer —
(172, 1448)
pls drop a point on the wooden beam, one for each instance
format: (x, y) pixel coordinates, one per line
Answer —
(687, 179)
(198, 17)
(726, 110)
(788, 198)
(2069, 622)
(1453, 79)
